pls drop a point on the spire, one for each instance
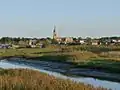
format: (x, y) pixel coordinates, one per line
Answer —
(54, 33)
(54, 29)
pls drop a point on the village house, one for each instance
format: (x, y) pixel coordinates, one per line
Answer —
(32, 43)
(59, 40)
(68, 40)
(96, 42)
(118, 41)
(82, 41)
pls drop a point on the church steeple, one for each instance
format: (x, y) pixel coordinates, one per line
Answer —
(54, 33)
(54, 29)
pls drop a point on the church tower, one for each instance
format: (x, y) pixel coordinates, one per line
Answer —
(54, 33)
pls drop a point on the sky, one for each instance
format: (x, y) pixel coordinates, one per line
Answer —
(77, 18)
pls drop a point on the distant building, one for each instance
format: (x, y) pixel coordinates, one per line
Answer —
(32, 43)
(55, 33)
(82, 41)
(68, 40)
(118, 41)
(42, 46)
(96, 42)
(61, 39)
(114, 41)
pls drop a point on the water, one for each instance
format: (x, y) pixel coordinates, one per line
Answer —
(47, 67)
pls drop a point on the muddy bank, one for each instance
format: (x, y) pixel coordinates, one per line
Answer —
(65, 68)
(95, 74)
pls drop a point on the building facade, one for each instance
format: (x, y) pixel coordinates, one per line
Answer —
(61, 39)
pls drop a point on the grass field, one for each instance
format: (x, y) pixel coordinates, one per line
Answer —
(93, 57)
(101, 58)
(24, 79)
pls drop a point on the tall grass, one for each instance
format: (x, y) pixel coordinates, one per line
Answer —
(24, 79)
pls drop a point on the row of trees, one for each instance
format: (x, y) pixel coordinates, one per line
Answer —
(11, 40)
(15, 40)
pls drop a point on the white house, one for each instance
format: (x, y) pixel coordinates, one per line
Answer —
(118, 41)
(82, 41)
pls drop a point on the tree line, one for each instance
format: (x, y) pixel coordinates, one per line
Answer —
(16, 40)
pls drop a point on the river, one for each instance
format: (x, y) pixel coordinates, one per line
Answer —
(57, 70)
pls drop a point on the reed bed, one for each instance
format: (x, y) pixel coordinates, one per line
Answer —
(25, 79)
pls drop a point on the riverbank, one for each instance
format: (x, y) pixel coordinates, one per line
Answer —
(77, 59)
(64, 68)
(24, 79)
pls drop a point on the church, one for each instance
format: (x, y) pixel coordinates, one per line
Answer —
(64, 40)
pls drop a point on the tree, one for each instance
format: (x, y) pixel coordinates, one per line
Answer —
(79, 38)
(54, 41)
(6, 40)
(88, 40)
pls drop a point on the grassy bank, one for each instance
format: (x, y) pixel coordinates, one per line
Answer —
(24, 79)
(93, 57)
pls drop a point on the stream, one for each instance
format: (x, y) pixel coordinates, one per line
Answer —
(58, 70)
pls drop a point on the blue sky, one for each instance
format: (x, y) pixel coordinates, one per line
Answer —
(36, 18)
